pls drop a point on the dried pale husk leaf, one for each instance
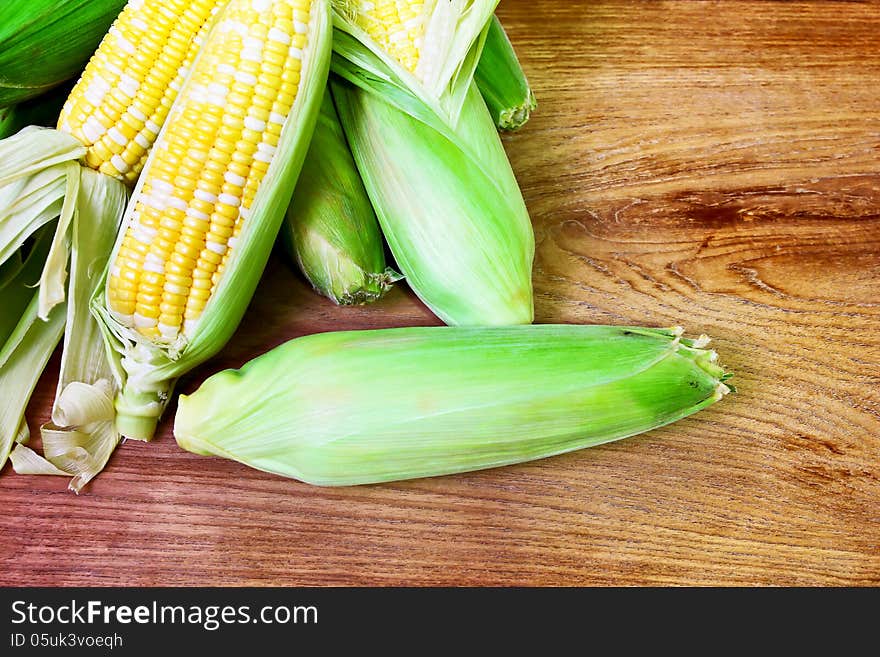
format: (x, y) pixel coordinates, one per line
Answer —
(26, 461)
(34, 149)
(24, 352)
(70, 453)
(80, 404)
(33, 212)
(82, 434)
(39, 182)
(82, 452)
(100, 204)
(24, 433)
(52, 282)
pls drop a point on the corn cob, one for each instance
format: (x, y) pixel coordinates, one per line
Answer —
(207, 208)
(338, 409)
(397, 26)
(122, 98)
(330, 230)
(45, 42)
(434, 166)
(502, 81)
(108, 122)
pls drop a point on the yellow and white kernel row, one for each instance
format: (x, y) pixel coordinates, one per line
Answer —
(206, 172)
(121, 101)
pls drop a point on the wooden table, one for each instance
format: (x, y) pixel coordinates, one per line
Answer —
(713, 165)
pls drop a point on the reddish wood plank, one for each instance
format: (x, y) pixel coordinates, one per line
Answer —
(706, 164)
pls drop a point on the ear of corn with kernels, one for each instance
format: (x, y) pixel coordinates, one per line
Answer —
(433, 164)
(365, 407)
(330, 230)
(207, 208)
(120, 102)
(45, 42)
(428, 47)
(108, 123)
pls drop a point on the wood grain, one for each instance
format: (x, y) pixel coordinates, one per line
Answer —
(706, 164)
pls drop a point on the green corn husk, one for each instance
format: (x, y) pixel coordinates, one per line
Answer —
(7, 122)
(26, 342)
(436, 172)
(339, 409)
(449, 206)
(19, 274)
(45, 42)
(502, 81)
(49, 207)
(331, 231)
(451, 48)
(40, 111)
(32, 196)
(146, 371)
(34, 223)
(22, 360)
(81, 436)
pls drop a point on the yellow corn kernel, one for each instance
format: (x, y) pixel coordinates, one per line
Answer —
(122, 98)
(207, 169)
(397, 26)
